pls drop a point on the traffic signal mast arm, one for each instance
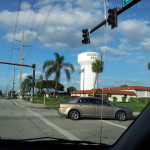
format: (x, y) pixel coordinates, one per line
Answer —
(119, 11)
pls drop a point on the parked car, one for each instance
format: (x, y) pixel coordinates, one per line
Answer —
(81, 107)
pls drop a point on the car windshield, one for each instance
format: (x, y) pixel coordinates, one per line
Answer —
(75, 70)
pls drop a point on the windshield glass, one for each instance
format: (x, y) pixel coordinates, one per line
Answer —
(76, 70)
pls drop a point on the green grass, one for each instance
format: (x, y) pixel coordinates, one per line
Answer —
(135, 106)
(54, 103)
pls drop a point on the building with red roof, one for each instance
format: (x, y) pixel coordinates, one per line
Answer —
(118, 92)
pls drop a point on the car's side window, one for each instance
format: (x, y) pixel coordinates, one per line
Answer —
(97, 101)
(85, 101)
(105, 103)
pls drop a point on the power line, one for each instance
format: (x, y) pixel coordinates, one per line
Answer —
(15, 30)
(31, 9)
(44, 23)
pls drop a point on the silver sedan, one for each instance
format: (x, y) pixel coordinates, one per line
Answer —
(91, 107)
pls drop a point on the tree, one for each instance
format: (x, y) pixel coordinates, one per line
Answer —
(123, 85)
(71, 88)
(26, 84)
(97, 67)
(39, 83)
(51, 66)
(148, 66)
(0, 93)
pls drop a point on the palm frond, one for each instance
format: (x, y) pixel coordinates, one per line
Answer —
(148, 66)
(67, 72)
(69, 66)
(48, 64)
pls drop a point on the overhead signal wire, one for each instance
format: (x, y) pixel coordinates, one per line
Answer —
(15, 30)
(43, 25)
(27, 24)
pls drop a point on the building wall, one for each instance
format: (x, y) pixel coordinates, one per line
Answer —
(140, 93)
(143, 93)
(119, 98)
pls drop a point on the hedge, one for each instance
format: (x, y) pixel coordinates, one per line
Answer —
(140, 99)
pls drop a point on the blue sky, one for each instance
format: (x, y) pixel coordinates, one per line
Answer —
(58, 29)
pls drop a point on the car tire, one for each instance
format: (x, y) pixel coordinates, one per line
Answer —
(121, 116)
(74, 114)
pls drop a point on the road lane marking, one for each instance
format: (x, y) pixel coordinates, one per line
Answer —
(59, 129)
(114, 124)
(17, 104)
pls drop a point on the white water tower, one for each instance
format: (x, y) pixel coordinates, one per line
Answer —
(87, 75)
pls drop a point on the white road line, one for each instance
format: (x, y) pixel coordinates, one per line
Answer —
(17, 104)
(114, 124)
(60, 130)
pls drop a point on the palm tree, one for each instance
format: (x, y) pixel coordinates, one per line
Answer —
(26, 84)
(148, 66)
(40, 82)
(97, 67)
(51, 66)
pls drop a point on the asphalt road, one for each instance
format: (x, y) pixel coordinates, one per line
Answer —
(23, 120)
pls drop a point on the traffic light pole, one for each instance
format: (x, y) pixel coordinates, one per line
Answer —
(98, 26)
(33, 77)
(121, 10)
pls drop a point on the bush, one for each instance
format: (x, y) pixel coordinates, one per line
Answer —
(123, 99)
(114, 99)
(139, 99)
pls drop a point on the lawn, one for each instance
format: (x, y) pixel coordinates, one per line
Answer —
(135, 106)
(54, 103)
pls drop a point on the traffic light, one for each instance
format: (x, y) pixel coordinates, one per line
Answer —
(112, 18)
(86, 36)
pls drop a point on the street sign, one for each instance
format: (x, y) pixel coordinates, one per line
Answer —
(126, 2)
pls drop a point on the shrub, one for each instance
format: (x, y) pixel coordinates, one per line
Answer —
(139, 99)
(123, 99)
(114, 99)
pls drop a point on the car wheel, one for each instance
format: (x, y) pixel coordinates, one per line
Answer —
(74, 114)
(121, 116)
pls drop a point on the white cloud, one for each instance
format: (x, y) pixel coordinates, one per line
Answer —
(87, 5)
(129, 81)
(24, 75)
(7, 18)
(63, 26)
(134, 30)
(140, 57)
(131, 61)
(25, 6)
(145, 44)
(113, 52)
(29, 36)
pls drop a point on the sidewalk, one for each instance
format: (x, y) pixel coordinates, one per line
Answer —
(23, 103)
(136, 113)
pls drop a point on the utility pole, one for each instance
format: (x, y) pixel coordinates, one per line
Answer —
(21, 61)
(13, 82)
